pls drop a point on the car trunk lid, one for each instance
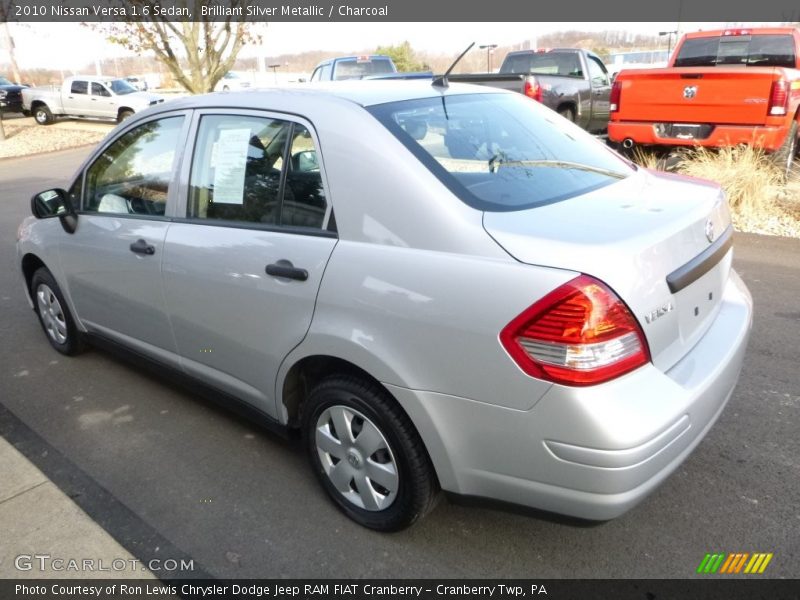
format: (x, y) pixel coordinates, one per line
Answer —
(661, 245)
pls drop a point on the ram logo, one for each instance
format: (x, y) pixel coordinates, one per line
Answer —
(690, 91)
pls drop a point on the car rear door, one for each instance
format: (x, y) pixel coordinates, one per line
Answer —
(75, 98)
(112, 262)
(243, 264)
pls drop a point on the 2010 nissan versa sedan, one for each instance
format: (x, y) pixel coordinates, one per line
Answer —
(440, 287)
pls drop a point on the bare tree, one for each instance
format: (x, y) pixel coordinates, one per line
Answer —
(197, 53)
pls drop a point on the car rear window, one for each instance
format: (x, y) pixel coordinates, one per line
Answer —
(748, 50)
(501, 152)
(354, 68)
(566, 64)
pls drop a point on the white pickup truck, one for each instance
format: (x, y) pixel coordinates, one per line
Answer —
(87, 96)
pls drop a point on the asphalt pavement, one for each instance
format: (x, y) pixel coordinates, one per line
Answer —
(167, 473)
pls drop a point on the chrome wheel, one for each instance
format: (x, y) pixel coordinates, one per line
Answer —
(51, 314)
(356, 458)
(41, 117)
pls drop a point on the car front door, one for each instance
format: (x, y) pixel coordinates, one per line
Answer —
(113, 260)
(601, 93)
(103, 101)
(242, 269)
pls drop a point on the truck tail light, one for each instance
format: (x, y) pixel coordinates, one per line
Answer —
(614, 99)
(532, 88)
(580, 334)
(779, 97)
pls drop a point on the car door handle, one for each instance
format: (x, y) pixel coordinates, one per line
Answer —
(284, 268)
(142, 247)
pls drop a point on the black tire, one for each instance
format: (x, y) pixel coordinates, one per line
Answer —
(42, 115)
(124, 114)
(371, 409)
(785, 156)
(567, 112)
(225, 88)
(47, 295)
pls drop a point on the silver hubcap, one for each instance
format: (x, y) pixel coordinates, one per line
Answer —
(51, 314)
(40, 116)
(357, 458)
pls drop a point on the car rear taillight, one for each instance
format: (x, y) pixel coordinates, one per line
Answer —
(614, 98)
(779, 97)
(580, 334)
(532, 89)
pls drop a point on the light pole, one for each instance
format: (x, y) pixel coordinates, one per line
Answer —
(275, 71)
(488, 48)
(669, 35)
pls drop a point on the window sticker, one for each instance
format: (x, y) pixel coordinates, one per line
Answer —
(231, 159)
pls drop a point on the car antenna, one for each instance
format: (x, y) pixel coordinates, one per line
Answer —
(442, 80)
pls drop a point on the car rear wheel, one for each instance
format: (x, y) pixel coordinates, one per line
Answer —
(124, 114)
(367, 454)
(567, 113)
(42, 115)
(54, 315)
(785, 156)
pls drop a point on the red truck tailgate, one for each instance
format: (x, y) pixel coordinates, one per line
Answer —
(730, 95)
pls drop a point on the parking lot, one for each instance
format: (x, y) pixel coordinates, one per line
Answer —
(159, 468)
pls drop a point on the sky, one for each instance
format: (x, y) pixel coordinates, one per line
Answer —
(79, 45)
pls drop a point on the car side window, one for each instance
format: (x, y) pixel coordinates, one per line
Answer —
(237, 169)
(79, 87)
(133, 174)
(315, 75)
(597, 72)
(251, 169)
(304, 203)
(99, 90)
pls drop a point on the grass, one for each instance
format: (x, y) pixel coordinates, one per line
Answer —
(761, 201)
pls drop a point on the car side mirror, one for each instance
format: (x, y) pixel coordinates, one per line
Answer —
(305, 161)
(55, 203)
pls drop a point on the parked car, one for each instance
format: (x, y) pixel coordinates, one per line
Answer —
(87, 96)
(722, 88)
(353, 67)
(140, 83)
(231, 81)
(571, 81)
(10, 96)
(438, 285)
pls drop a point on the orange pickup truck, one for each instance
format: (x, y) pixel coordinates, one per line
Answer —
(721, 88)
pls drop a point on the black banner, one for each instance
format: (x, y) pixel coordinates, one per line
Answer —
(781, 11)
(423, 589)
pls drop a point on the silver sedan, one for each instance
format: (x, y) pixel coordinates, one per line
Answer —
(439, 287)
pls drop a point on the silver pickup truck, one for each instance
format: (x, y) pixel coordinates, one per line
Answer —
(85, 96)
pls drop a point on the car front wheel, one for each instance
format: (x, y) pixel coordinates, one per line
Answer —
(53, 313)
(367, 454)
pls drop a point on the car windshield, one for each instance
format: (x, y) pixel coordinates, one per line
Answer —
(502, 152)
(231, 75)
(353, 68)
(120, 87)
(4, 81)
(745, 50)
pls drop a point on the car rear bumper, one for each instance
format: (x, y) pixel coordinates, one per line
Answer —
(769, 137)
(590, 452)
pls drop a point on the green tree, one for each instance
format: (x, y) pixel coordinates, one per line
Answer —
(197, 53)
(404, 57)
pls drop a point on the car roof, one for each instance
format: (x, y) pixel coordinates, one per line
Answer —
(362, 93)
(750, 30)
